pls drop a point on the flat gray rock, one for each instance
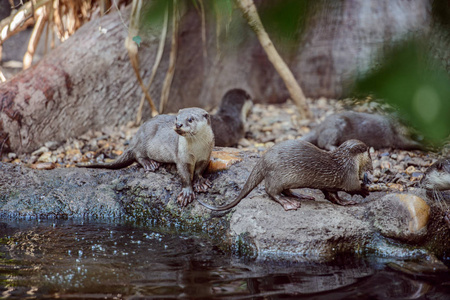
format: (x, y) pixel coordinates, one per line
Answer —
(256, 227)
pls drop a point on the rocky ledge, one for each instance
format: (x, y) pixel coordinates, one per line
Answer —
(387, 223)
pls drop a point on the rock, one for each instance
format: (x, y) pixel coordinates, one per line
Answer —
(43, 166)
(52, 145)
(401, 216)
(395, 186)
(410, 170)
(40, 151)
(223, 159)
(46, 157)
(385, 164)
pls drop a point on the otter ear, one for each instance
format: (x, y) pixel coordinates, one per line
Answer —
(207, 117)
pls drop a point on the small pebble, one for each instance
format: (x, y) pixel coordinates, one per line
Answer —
(393, 170)
(40, 151)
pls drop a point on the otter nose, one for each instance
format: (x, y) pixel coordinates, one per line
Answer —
(178, 125)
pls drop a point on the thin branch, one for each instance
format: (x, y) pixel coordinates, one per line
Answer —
(202, 8)
(251, 14)
(159, 54)
(35, 36)
(132, 48)
(172, 60)
(17, 22)
(2, 77)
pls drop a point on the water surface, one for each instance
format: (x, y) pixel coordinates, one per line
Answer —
(72, 259)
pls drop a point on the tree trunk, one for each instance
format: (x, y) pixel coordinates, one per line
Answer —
(83, 84)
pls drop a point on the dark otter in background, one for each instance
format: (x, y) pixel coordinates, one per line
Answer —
(228, 123)
(374, 130)
(298, 164)
(436, 180)
(185, 140)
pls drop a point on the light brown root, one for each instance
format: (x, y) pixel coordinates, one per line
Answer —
(132, 48)
(162, 41)
(251, 14)
(172, 60)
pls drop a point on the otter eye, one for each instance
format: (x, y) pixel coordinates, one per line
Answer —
(190, 120)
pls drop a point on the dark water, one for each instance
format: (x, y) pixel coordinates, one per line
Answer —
(95, 260)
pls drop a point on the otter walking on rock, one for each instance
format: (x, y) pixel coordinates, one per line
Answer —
(436, 180)
(298, 164)
(228, 123)
(374, 130)
(185, 140)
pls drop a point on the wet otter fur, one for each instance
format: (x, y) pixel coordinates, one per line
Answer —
(374, 130)
(185, 140)
(436, 180)
(298, 164)
(228, 123)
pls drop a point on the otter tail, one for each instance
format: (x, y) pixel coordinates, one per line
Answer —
(310, 137)
(409, 144)
(124, 160)
(256, 176)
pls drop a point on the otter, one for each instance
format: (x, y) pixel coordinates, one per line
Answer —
(374, 130)
(435, 180)
(299, 164)
(437, 176)
(185, 140)
(228, 123)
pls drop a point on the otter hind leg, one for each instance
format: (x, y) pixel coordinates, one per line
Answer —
(275, 190)
(148, 164)
(288, 204)
(290, 193)
(334, 198)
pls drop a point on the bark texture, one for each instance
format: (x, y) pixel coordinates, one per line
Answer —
(84, 83)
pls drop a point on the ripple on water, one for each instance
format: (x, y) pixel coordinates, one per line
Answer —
(81, 259)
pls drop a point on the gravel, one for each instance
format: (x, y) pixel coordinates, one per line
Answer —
(267, 125)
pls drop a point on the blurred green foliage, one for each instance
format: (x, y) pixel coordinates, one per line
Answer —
(154, 12)
(284, 20)
(416, 84)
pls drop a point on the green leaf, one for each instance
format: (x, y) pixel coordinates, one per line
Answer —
(137, 39)
(417, 85)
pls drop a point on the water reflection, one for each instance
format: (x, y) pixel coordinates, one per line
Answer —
(74, 259)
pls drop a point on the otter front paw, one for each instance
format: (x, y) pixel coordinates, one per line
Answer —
(201, 185)
(364, 191)
(186, 196)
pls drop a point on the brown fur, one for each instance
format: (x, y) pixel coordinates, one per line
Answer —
(299, 164)
(436, 181)
(228, 123)
(185, 140)
(374, 130)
